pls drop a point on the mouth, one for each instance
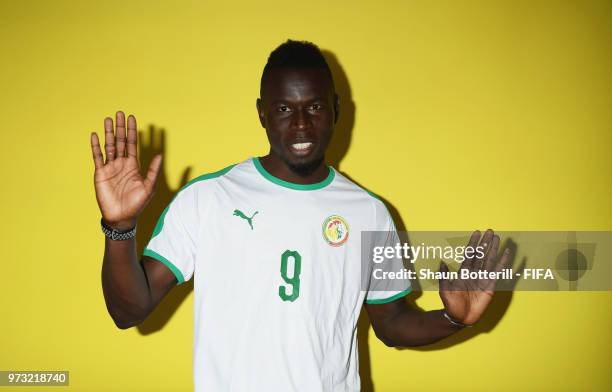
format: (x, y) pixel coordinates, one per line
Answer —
(301, 148)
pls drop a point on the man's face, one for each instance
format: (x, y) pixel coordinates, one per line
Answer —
(298, 109)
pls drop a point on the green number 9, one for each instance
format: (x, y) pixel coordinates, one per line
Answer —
(294, 281)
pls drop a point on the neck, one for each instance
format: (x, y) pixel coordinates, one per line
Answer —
(279, 169)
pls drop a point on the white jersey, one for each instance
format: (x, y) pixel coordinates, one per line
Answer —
(278, 282)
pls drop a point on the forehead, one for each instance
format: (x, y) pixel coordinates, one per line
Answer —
(296, 84)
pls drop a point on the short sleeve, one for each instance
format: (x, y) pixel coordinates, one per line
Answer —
(387, 279)
(174, 238)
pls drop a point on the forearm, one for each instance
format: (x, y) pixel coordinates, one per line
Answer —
(124, 283)
(409, 328)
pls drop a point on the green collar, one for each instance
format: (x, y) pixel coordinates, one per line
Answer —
(291, 185)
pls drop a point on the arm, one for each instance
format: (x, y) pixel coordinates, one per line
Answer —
(465, 300)
(131, 288)
(398, 325)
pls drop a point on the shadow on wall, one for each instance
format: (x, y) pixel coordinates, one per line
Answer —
(150, 144)
(337, 150)
(341, 138)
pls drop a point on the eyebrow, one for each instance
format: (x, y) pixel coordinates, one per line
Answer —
(279, 101)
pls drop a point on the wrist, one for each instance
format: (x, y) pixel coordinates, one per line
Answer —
(454, 322)
(117, 235)
(120, 225)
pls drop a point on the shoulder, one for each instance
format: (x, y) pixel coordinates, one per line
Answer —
(201, 189)
(362, 195)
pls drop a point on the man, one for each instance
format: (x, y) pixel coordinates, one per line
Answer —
(273, 245)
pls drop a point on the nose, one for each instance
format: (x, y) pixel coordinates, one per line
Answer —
(301, 119)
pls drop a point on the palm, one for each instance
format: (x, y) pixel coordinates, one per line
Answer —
(465, 300)
(466, 306)
(121, 191)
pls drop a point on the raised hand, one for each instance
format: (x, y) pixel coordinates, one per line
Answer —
(465, 300)
(121, 191)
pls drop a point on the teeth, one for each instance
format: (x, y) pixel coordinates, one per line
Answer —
(301, 146)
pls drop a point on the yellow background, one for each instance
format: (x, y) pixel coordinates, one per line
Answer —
(464, 115)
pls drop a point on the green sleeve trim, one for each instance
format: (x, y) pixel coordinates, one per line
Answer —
(299, 187)
(160, 222)
(208, 176)
(177, 273)
(390, 299)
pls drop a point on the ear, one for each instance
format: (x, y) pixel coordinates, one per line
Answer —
(260, 112)
(336, 107)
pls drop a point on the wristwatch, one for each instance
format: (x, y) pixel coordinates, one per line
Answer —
(117, 235)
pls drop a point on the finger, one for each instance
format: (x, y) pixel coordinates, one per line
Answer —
(132, 137)
(472, 243)
(445, 284)
(153, 172)
(497, 266)
(469, 262)
(109, 139)
(96, 150)
(487, 238)
(504, 261)
(492, 253)
(474, 239)
(120, 134)
(485, 242)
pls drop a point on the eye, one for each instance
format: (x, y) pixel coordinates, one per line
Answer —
(283, 108)
(316, 106)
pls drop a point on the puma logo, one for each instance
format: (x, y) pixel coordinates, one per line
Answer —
(240, 214)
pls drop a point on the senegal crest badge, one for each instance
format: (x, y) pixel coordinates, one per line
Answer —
(335, 230)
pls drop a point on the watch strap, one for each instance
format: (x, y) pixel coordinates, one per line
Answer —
(117, 235)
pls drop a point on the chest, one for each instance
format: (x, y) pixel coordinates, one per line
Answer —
(302, 250)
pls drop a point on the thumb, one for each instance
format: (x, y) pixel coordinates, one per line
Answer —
(153, 172)
(444, 283)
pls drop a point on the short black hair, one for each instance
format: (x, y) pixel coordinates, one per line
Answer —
(296, 54)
